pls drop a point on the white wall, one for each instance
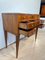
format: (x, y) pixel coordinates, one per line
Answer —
(21, 6)
(27, 6)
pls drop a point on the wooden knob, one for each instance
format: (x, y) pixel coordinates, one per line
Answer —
(32, 25)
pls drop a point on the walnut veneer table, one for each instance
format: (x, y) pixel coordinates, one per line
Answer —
(14, 23)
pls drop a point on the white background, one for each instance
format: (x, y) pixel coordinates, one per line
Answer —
(16, 6)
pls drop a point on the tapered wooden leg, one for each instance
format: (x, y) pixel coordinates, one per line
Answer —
(17, 46)
(5, 33)
(36, 33)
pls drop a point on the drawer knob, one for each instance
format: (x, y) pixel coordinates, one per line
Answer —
(32, 25)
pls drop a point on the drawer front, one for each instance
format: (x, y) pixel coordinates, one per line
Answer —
(22, 17)
(26, 26)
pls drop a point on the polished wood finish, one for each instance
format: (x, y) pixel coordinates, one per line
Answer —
(11, 23)
(28, 27)
(43, 10)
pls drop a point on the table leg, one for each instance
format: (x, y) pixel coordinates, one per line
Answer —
(36, 33)
(17, 46)
(5, 33)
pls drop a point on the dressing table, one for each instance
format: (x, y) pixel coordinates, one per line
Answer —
(18, 23)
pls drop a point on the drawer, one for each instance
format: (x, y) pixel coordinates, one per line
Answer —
(29, 33)
(29, 25)
(26, 25)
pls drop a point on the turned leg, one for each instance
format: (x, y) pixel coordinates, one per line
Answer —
(17, 46)
(5, 33)
(36, 33)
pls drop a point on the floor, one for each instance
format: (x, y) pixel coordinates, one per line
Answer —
(28, 50)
